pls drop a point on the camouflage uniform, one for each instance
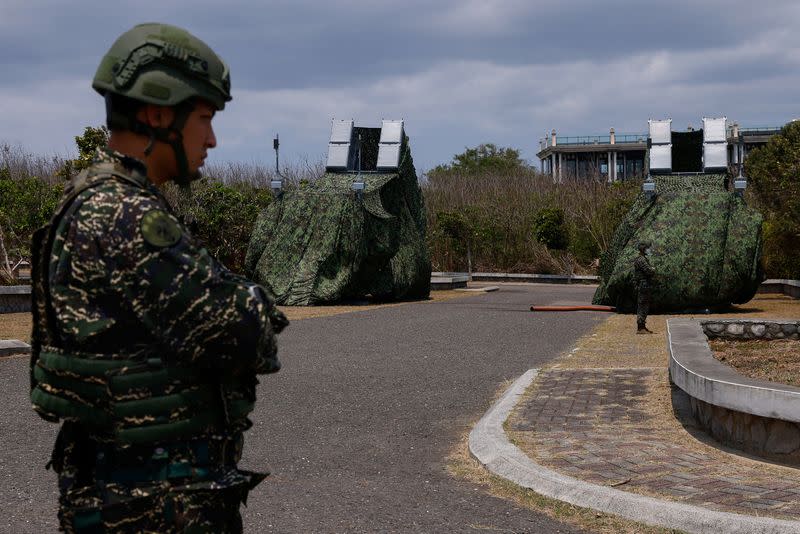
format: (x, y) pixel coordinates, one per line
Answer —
(117, 278)
(643, 274)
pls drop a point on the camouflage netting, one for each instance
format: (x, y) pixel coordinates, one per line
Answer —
(706, 247)
(322, 243)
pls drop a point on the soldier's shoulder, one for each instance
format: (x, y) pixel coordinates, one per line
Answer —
(117, 194)
(114, 206)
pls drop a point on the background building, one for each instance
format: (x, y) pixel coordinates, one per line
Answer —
(623, 156)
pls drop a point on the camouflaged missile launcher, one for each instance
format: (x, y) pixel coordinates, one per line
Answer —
(326, 242)
(706, 247)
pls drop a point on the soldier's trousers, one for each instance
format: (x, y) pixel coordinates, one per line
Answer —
(99, 498)
(642, 305)
(172, 512)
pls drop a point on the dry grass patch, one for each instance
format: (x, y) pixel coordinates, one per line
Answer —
(15, 326)
(614, 343)
(18, 325)
(776, 360)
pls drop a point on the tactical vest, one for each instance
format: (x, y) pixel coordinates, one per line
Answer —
(120, 399)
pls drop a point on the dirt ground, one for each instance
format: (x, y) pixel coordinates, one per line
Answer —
(614, 343)
(776, 360)
(18, 325)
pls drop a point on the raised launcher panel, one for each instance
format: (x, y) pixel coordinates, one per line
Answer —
(692, 151)
(660, 153)
(361, 149)
(340, 146)
(715, 144)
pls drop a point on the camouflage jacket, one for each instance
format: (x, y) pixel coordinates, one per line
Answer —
(643, 272)
(125, 277)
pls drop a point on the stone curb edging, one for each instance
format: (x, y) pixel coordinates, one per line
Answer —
(487, 289)
(13, 346)
(694, 369)
(540, 278)
(15, 299)
(448, 281)
(489, 445)
(749, 414)
(751, 328)
(523, 277)
(15, 290)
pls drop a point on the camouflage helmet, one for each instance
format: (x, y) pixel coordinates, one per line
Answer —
(643, 245)
(164, 65)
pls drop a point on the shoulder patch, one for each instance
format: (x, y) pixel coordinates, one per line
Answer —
(159, 229)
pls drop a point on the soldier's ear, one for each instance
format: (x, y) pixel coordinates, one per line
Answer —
(156, 116)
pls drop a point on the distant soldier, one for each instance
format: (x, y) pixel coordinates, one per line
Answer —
(643, 274)
(144, 345)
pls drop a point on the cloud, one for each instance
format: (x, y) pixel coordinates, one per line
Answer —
(482, 17)
(45, 117)
(460, 72)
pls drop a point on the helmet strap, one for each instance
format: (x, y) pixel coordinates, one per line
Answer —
(173, 137)
(170, 135)
(150, 143)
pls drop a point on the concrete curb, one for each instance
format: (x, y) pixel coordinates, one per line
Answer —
(489, 445)
(449, 281)
(693, 368)
(787, 287)
(13, 346)
(15, 299)
(487, 289)
(524, 277)
(15, 290)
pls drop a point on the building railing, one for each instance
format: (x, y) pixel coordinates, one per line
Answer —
(760, 130)
(583, 139)
(592, 139)
(631, 138)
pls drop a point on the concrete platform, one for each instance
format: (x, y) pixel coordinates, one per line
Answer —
(13, 346)
(455, 281)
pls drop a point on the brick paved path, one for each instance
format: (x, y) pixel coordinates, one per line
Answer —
(602, 426)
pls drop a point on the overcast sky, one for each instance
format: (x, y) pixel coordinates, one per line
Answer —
(460, 72)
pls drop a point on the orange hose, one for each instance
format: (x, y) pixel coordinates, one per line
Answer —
(574, 308)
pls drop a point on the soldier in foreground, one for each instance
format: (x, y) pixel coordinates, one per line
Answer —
(643, 274)
(144, 345)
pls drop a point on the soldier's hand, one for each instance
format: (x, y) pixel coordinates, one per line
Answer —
(277, 319)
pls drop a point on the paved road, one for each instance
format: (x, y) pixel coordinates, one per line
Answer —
(358, 425)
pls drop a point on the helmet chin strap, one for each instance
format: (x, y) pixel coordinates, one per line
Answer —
(170, 135)
(173, 137)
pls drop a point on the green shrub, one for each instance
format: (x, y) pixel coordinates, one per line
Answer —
(781, 253)
(25, 205)
(487, 208)
(87, 144)
(485, 158)
(583, 245)
(550, 229)
(221, 216)
(500, 210)
(773, 171)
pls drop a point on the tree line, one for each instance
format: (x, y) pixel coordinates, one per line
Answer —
(487, 209)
